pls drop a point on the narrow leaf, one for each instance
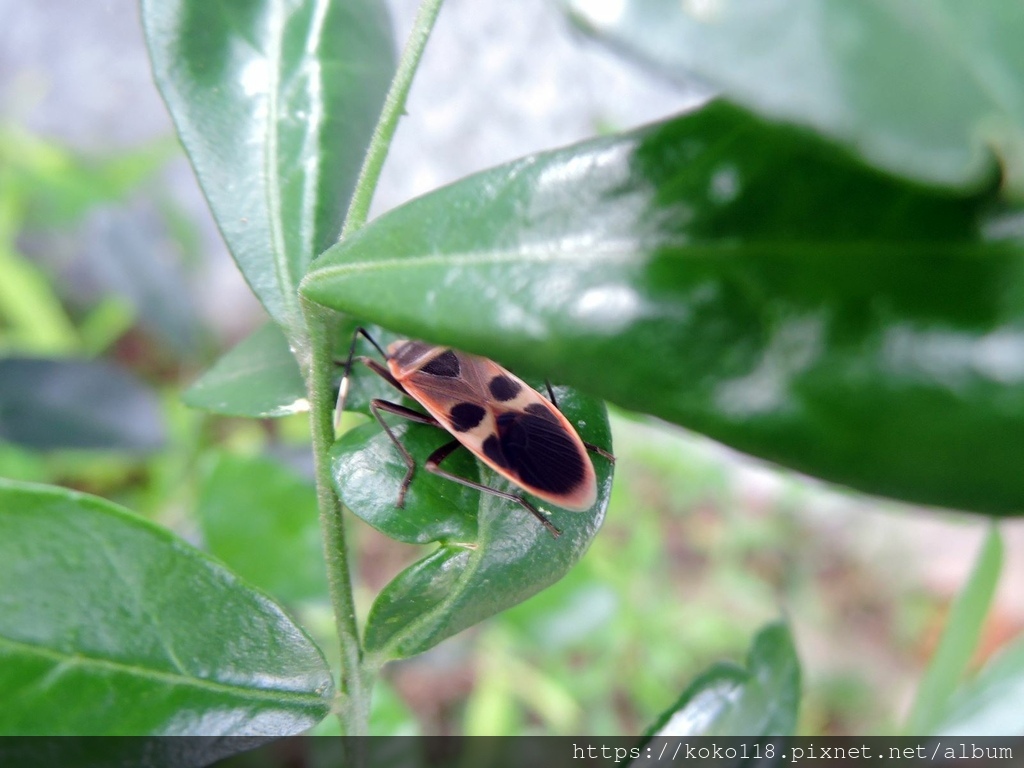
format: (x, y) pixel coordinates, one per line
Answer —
(275, 102)
(960, 638)
(111, 625)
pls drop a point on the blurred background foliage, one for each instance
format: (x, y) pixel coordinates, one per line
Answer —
(112, 275)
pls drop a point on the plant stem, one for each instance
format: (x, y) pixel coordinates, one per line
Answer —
(394, 108)
(356, 679)
(357, 672)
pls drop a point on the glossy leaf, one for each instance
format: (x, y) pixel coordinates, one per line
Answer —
(989, 705)
(760, 699)
(741, 278)
(111, 625)
(493, 553)
(260, 518)
(959, 639)
(258, 377)
(275, 102)
(926, 88)
(63, 403)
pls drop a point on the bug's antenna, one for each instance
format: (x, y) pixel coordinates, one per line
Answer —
(551, 393)
(339, 406)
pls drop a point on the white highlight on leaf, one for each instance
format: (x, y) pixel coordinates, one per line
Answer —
(703, 710)
(794, 346)
(703, 10)
(601, 13)
(725, 185)
(609, 308)
(255, 78)
(952, 357)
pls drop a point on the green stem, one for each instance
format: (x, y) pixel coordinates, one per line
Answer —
(357, 671)
(394, 108)
(356, 681)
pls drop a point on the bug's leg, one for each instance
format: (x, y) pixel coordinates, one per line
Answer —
(551, 393)
(376, 406)
(446, 450)
(373, 365)
(589, 446)
(599, 451)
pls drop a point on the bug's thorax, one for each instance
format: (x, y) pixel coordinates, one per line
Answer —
(406, 356)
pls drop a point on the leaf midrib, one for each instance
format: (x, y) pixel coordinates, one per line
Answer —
(625, 253)
(170, 678)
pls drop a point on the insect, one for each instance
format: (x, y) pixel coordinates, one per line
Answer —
(503, 421)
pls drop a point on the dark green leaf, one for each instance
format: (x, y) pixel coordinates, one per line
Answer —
(52, 404)
(257, 378)
(111, 625)
(957, 96)
(760, 699)
(989, 705)
(275, 103)
(740, 278)
(493, 553)
(261, 520)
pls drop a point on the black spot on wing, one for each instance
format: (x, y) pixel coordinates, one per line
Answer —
(465, 416)
(492, 450)
(539, 409)
(503, 388)
(540, 452)
(446, 364)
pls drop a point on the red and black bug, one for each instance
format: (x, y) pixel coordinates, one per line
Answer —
(503, 421)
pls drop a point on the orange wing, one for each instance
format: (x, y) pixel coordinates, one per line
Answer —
(507, 424)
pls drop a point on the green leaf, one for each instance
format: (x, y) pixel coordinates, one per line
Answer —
(52, 404)
(493, 553)
(959, 639)
(258, 377)
(989, 705)
(111, 625)
(957, 97)
(261, 519)
(743, 279)
(760, 699)
(275, 103)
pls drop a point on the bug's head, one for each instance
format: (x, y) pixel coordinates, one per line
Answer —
(406, 353)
